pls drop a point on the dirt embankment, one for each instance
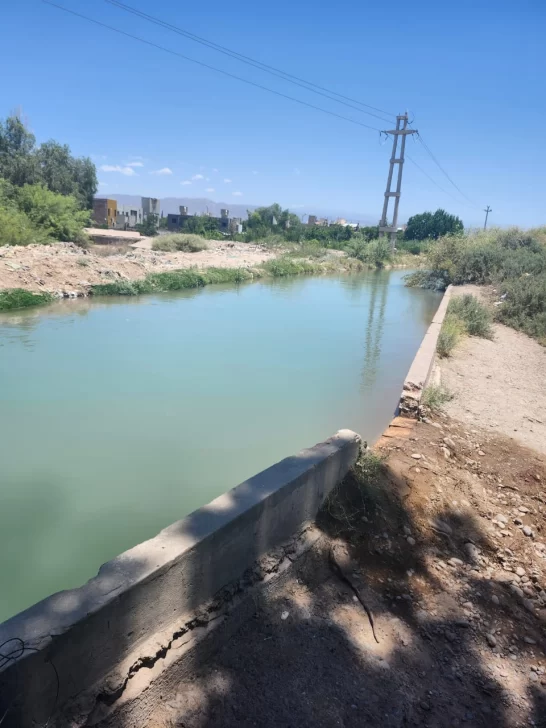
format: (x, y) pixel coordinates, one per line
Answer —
(65, 269)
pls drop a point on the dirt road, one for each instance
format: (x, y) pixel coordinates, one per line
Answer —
(65, 269)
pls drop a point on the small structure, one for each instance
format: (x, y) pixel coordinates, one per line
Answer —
(225, 224)
(105, 211)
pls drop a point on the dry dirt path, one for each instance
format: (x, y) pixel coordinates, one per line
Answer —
(499, 384)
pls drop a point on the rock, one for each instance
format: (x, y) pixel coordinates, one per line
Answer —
(529, 592)
(454, 561)
(491, 640)
(518, 521)
(520, 571)
(516, 590)
(424, 705)
(410, 540)
(501, 519)
(451, 636)
(285, 615)
(495, 599)
(481, 453)
(527, 530)
(446, 453)
(472, 551)
(529, 640)
(416, 456)
(529, 605)
(449, 442)
(407, 530)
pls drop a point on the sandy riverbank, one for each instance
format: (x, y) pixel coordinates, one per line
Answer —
(66, 269)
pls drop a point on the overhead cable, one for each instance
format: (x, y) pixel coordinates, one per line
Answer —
(211, 68)
(291, 78)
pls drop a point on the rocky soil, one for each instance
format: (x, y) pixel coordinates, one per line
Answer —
(448, 550)
(66, 270)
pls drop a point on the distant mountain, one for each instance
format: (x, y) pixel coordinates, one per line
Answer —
(200, 205)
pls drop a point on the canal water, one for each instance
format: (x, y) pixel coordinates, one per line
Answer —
(119, 416)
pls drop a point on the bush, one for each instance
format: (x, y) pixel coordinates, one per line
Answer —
(435, 396)
(474, 315)
(376, 252)
(281, 267)
(14, 298)
(524, 305)
(181, 242)
(452, 331)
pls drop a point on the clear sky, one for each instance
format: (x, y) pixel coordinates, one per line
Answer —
(471, 73)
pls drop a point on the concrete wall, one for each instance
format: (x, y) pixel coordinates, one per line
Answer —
(148, 590)
(421, 367)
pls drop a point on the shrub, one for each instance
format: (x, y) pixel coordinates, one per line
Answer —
(435, 396)
(474, 315)
(181, 242)
(58, 216)
(14, 298)
(281, 267)
(452, 331)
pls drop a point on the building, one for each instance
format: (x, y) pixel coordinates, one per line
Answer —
(105, 212)
(124, 217)
(319, 221)
(224, 224)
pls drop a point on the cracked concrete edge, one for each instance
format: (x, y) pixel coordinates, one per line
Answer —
(87, 632)
(419, 373)
(133, 690)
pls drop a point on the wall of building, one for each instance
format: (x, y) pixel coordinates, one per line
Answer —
(104, 211)
(145, 594)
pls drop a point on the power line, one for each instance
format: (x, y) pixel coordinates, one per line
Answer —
(432, 179)
(291, 78)
(443, 170)
(211, 68)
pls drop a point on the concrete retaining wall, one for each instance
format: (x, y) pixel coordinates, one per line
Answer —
(143, 594)
(419, 373)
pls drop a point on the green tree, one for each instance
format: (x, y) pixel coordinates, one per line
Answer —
(18, 162)
(432, 225)
(149, 226)
(56, 216)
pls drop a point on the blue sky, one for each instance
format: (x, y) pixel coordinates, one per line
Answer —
(471, 73)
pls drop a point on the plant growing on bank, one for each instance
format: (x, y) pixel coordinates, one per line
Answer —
(12, 299)
(181, 242)
(432, 225)
(513, 260)
(435, 397)
(465, 315)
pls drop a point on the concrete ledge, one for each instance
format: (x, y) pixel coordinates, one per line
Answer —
(421, 367)
(137, 596)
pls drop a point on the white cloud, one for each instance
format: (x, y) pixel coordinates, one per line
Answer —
(127, 171)
(163, 170)
(209, 189)
(135, 164)
(186, 182)
(227, 181)
(198, 176)
(237, 194)
(215, 170)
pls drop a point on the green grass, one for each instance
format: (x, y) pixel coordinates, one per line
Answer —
(12, 299)
(452, 331)
(435, 397)
(181, 242)
(474, 315)
(285, 266)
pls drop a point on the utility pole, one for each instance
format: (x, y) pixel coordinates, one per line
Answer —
(403, 131)
(487, 211)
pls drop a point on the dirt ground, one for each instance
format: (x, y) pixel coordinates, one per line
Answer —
(499, 384)
(66, 270)
(441, 557)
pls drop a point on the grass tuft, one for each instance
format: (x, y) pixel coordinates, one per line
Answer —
(435, 397)
(180, 242)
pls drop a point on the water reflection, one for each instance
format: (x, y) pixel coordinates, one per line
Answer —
(374, 332)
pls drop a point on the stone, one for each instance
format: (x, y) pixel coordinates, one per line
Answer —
(529, 640)
(407, 530)
(285, 615)
(454, 561)
(501, 519)
(527, 530)
(410, 540)
(491, 640)
(516, 590)
(472, 551)
(529, 605)
(416, 456)
(446, 453)
(481, 453)
(520, 571)
(449, 442)
(495, 600)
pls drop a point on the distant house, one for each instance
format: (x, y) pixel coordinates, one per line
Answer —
(224, 224)
(123, 217)
(105, 212)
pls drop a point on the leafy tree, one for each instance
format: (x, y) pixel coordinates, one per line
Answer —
(51, 163)
(18, 163)
(57, 216)
(432, 225)
(149, 226)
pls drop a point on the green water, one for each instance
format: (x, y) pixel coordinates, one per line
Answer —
(120, 416)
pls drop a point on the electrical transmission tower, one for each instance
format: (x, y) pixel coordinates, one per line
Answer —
(400, 131)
